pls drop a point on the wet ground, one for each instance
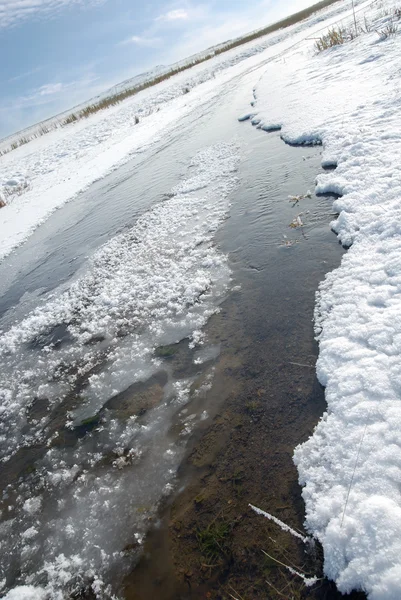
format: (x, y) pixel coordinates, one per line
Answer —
(251, 393)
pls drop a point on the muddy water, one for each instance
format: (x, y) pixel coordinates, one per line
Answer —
(237, 406)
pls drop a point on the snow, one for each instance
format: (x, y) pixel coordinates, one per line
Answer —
(39, 177)
(32, 505)
(26, 592)
(348, 99)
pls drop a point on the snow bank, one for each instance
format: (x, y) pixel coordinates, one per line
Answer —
(348, 99)
(39, 177)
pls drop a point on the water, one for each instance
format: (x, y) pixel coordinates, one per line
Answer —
(104, 383)
(265, 398)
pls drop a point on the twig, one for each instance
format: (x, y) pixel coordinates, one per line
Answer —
(308, 581)
(276, 560)
(235, 592)
(275, 589)
(301, 365)
(284, 526)
(353, 10)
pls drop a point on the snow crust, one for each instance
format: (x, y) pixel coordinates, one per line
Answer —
(348, 99)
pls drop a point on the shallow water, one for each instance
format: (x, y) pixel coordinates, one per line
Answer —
(264, 399)
(100, 410)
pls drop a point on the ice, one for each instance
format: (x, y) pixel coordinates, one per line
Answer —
(157, 283)
(246, 116)
(347, 99)
(160, 278)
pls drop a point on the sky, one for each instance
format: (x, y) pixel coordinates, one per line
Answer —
(58, 53)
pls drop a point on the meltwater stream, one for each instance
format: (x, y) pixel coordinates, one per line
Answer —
(92, 308)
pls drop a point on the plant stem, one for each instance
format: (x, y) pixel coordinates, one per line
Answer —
(353, 10)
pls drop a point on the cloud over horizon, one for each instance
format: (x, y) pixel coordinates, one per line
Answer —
(143, 40)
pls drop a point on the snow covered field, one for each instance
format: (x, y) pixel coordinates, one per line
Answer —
(39, 177)
(348, 98)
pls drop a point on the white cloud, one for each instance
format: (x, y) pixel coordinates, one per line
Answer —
(41, 95)
(143, 40)
(25, 74)
(154, 35)
(174, 15)
(50, 88)
(47, 100)
(48, 94)
(13, 12)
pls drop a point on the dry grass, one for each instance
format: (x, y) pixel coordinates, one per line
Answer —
(334, 37)
(340, 35)
(388, 31)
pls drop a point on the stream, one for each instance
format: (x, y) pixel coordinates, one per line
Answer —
(114, 321)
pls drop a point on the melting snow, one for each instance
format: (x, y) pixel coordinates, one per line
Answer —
(162, 280)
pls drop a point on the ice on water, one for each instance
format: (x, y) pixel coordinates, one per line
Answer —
(69, 519)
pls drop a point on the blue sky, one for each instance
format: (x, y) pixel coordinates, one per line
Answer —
(57, 53)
